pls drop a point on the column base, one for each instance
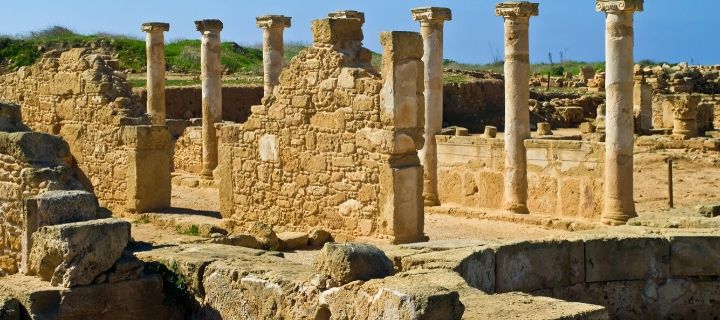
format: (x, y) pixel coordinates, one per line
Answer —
(431, 200)
(617, 218)
(206, 174)
(517, 208)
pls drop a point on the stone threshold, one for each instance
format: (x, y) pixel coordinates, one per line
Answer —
(545, 221)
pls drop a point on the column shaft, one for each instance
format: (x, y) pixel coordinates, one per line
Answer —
(517, 112)
(211, 98)
(273, 51)
(432, 33)
(619, 205)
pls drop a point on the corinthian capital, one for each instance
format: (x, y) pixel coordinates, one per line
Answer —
(431, 14)
(619, 5)
(516, 9)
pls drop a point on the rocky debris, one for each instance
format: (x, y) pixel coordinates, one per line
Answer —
(75, 254)
(240, 240)
(348, 262)
(265, 235)
(709, 210)
(294, 240)
(318, 238)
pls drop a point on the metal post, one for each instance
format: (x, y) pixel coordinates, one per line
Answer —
(670, 183)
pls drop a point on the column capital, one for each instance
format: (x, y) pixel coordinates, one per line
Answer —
(347, 14)
(516, 9)
(208, 25)
(619, 5)
(155, 26)
(431, 14)
(273, 21)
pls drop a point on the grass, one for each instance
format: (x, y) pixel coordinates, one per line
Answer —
(255, 81)
(192, 230)
(181, 55)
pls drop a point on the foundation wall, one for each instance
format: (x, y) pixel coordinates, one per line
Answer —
(634, 276)
(565, 177)
(78, 95)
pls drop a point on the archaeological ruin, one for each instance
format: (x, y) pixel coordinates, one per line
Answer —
(353, 184)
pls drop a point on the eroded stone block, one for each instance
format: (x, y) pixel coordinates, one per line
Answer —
(694, 256)
(74, 254)
(627, 258)
(352, 261)
(530, 266)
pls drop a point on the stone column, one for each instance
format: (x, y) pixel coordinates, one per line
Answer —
(619, 139)
(211, 91)
(155, 49)
(517, 93)
(431, 27)
(684, 109)
(273, 51)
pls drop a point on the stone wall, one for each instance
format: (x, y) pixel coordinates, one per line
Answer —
(78, 95)
(475, 104)
(336, 144)
(186, 102)
(565, 177)
(30, 163)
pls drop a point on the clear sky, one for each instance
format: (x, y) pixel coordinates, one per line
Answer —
(668, 30)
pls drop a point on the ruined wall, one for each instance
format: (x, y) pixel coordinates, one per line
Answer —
(78, 95)
(187, 151)
(335, 145)
(474, 105)
(565, 178)
(186, 102)
(30, 163)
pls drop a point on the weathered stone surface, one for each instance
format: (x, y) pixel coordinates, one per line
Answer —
(65, 206)
(709, 210)
(419, 294)
(530, 266)
(319, 237)
(694, 256)
(626, 258)
(128, 300)
(352, 261)
(240, 240)
(258, 287)
(265, 235)
(10, 118)
(294, 240)
(9, 307)
(74, 254)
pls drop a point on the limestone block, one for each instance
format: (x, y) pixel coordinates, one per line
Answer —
(34, 147)
(348, 262)
(10, 118)
(55, 207)
(626, 258)
(319, 237)
(268, 148)
(418, 294)
(530, 266)
(709, 210)
(568, 116)
(148, 168)
(333, 31)
(695, 256)
(127, 300)
(74, 254)
(401, 203)
(294, 240)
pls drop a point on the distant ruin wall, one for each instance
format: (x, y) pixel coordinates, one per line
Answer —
(78, 95)
(186, 102)
(565, 178)
(474, 105)
(335, 146)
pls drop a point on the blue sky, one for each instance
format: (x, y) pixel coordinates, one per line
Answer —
(668, 30)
